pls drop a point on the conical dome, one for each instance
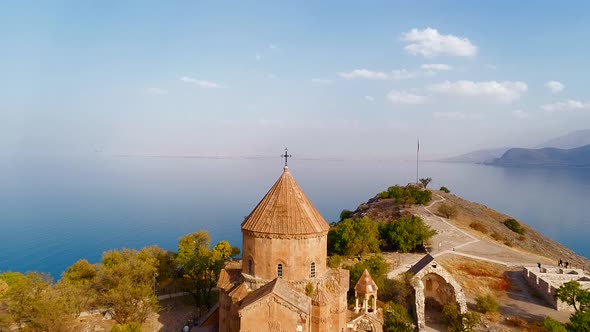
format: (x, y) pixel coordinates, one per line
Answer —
(285, 210)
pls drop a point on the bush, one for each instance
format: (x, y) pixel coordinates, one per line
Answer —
(516, 321)
(497, 236)
(551, 325)
(405, 234)
(346, 214)
(396, 319)
(486, 304)
(407, 195)
(457, 321)
(479, 227)
(444, 189)
(514, 226)
(309, 289)
(334, 261)
(354, 237)
(131, 327)
(447, 211)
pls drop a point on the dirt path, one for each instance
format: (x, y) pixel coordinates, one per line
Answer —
(519, 300)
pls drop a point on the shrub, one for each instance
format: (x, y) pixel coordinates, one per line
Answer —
(354, 237)
(486, 304)
(346, 214)
(447, 211)
(334, 261)
(514, 225)
(396, 319)
(457, 321)
(405, 234)
(131, 327)
(407, 195)
(497, 236)
(551, 325)
(309, 289)
(444, 189)
(479, 227)
(516, 321)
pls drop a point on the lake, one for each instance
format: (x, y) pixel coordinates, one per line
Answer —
(54, 212)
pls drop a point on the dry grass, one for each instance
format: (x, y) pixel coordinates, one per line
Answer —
(476, 277)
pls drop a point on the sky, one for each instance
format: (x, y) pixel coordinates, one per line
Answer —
(328, 79)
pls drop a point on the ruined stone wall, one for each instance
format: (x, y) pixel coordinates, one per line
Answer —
(547, 280)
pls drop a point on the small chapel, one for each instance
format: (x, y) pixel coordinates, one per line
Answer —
(283, 282)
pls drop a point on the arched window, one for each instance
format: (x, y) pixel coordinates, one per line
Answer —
(280, 270)
(250, 267)
(312, 270)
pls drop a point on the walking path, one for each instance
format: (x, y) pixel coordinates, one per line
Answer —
(451, 240)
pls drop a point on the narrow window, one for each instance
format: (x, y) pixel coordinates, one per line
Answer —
(280, 270)
(312, 273)
(250, 267)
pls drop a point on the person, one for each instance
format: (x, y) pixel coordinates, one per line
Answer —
(560, 263)
(185, 328)
(567, 264)
(539, 265)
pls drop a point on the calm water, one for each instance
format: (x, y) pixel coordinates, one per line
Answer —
(54, 212)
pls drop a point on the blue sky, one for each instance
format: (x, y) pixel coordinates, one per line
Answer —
(331, 78)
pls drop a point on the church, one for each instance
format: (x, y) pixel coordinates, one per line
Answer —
(282, 282)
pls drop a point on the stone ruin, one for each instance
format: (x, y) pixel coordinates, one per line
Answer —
(432, 281)
(547, 280)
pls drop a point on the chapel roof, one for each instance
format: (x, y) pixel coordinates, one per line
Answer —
(421, 264)
(285, 210)
(365, 284)
(281, 289)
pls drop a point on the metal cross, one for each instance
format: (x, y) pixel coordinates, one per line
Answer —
(286, 155)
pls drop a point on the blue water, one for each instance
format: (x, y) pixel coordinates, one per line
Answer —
(56, 211)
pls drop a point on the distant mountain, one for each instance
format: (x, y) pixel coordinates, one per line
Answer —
(545, 157)
(478, 157)
(568, 141)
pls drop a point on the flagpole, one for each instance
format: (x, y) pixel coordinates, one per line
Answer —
(417, 158)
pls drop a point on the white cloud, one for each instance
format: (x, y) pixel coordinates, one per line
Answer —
(429, 43)
(398, 74)
(321, 81)
(506, 91)
(403, 97)
(369, 98)
(202, 83)
(156, 91)
(555, 86)
(568, 105)
(520, 114)
(455, 115)
(435, 66)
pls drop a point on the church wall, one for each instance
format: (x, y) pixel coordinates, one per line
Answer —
(295, 255)
(271, 314)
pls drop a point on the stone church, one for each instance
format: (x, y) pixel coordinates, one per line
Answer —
(283, 282)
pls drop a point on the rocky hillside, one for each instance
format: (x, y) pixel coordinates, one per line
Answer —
(546, 157)
(479, 220)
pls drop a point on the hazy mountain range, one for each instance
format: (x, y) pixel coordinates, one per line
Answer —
(569, 150)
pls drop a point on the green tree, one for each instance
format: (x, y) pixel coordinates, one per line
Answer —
(377, 267)
(354, 237)
(126, 284)
(457, 321)
(81, 273)
(408, 195)
(579, 322)
(444, 189)
(396, 318)
(572, 294)
(425, 182)
(199, 265)
(406, 233)
(447, 211)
